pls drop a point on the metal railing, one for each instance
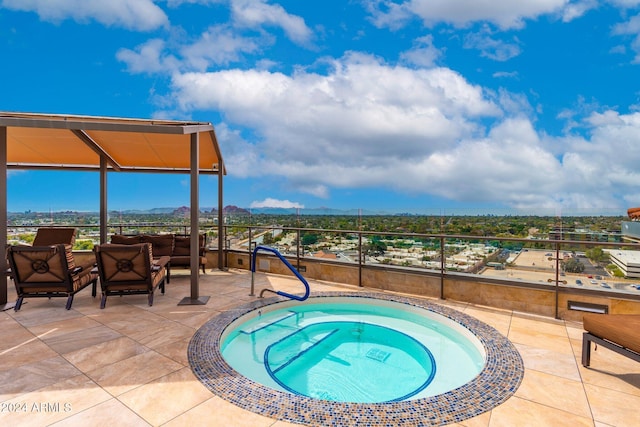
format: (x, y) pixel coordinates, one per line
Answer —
(289, 266)
(496, 258)
(499, 259)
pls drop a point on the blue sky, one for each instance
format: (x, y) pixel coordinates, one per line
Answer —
(399, 106)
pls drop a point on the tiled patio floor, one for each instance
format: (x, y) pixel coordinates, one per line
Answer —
(127, 365)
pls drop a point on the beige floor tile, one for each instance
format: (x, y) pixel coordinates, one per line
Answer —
(104, 354)
(111, 413)
(611, 370)
(39, 311)
(534, 338)
(554, 391)
(218, 412)
(55, 402)
(613, 407)
(74, 341)
(540, 324)
(52, 330)
(524, 413)
(161, 336)
(176, 350)
(550, 362)
(500, 321)
(167, 397)
(481, 420)
(35, 375)
(24, 353)
(133, 372)
(13, 334)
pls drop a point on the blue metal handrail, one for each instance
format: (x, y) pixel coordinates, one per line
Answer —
(291, 267)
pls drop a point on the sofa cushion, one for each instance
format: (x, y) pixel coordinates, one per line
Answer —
(182, 246)
(119, 239)
(162, 244)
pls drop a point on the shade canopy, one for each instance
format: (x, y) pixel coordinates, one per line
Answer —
(107, 144)
(42, 141)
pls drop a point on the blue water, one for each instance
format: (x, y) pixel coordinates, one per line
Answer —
(352, 350)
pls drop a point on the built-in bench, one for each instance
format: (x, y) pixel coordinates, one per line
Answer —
(177, 247)
(616, 332)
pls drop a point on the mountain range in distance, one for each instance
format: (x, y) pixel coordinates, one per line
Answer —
(235, 210)
(227, 210)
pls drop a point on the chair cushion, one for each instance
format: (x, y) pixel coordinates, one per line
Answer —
(38, 266)
(622, 329)
(46, 236)
(71, 262)
(126, 264)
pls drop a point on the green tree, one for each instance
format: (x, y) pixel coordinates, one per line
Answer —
(309, 239)
(573, 266)
(597, 255)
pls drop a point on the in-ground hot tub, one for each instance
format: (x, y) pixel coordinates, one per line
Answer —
(355, 358)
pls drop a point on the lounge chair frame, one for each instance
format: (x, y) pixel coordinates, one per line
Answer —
(587, 338)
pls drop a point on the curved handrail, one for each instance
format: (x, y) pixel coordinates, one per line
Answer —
(291, 267)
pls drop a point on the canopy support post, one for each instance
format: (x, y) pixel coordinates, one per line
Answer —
(3, 221)
(195, 298)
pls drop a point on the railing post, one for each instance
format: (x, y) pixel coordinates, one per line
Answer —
(557, 278)
(443, 262)
(298, 249)
(360, 256)
(250, 249)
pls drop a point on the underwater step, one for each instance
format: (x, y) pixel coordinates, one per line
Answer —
(270, 322)
(289, 356)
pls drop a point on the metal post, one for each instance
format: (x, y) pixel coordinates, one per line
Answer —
(557, 278)
(360, 259)
(195, 298)
(220, 213)
(103, 201)
(3, 220)
(443, 262)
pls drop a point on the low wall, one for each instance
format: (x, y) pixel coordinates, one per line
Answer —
(536, 299)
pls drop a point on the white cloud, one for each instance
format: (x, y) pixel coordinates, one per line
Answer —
(577, 9)
(367, 124)
(256, 13)
(490, 47)
(275, 203)
(218, 45)
(631, 28)
(460, 13)
(149, 57)
(423, 53)
(140, 15)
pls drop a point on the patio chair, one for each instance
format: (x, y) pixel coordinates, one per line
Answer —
(616, 332)
(46, 236)
(48, 271)
(129, 270)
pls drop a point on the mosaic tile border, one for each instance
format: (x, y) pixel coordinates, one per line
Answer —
(499, 380)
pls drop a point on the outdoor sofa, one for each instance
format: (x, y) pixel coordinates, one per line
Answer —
(176, 247)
